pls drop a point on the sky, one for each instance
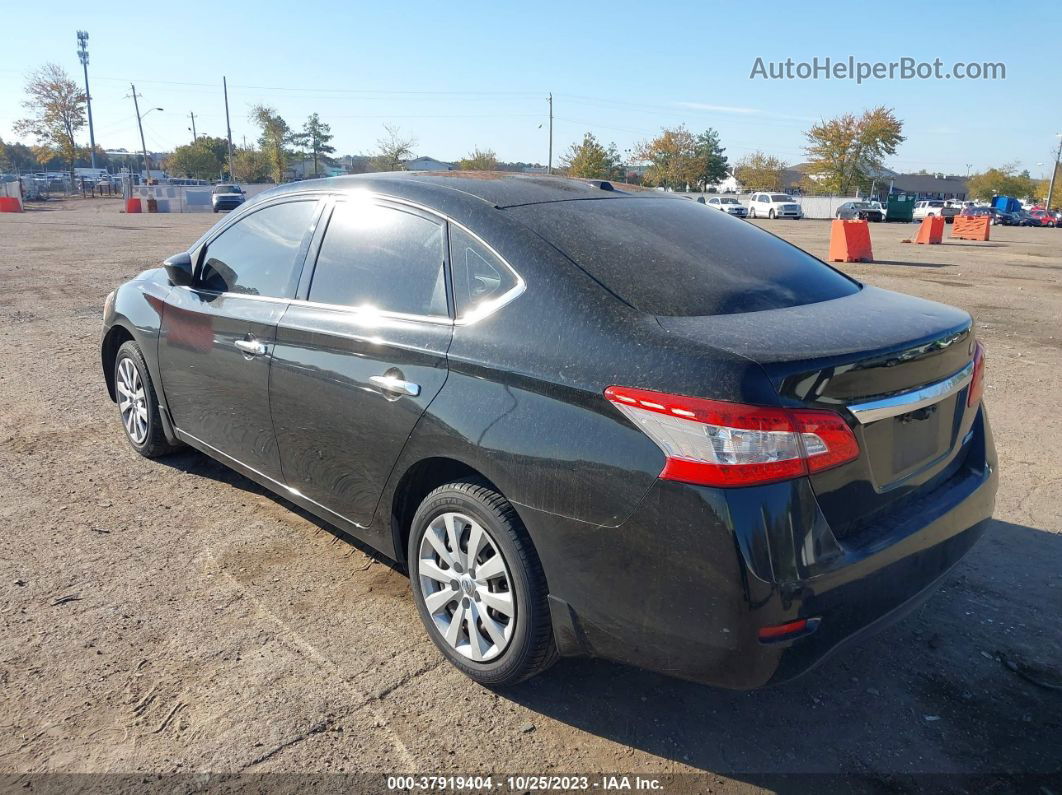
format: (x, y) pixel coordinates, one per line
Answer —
(459, 75)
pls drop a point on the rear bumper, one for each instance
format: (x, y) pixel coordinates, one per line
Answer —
(684, 585)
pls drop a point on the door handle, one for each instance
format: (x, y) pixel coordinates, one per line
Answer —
(397, 385)
(252, 347)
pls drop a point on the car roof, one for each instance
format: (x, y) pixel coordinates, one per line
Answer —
(495, 188)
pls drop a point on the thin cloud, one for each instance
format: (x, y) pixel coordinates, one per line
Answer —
(717, 108)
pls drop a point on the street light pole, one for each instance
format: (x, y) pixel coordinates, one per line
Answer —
(140, 125)
(82, 54)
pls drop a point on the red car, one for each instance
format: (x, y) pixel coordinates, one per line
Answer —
(1043, 217)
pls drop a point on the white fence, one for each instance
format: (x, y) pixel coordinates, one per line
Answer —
(185, 198)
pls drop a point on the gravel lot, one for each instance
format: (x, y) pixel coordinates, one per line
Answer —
(170, 616)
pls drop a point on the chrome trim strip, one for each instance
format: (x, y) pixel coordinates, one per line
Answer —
(874, 410)
(280, 488)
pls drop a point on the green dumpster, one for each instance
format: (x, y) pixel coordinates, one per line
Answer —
(900, 208)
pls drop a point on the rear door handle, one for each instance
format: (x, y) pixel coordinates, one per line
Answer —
(397, 385)
(252, 347)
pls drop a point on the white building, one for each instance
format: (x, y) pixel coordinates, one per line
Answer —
(427, 164)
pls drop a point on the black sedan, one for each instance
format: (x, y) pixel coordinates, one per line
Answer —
(585, 422)
(859, 211)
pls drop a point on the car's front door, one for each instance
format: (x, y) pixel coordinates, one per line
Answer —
(217, 335)
(356, 363)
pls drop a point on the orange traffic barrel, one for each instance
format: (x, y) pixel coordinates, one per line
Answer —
(132, 205)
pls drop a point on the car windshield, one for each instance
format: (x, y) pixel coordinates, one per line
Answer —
(935, 204)
(781, 197)
(226, 189)
(860, 206)
(729, 201)
(669, 257)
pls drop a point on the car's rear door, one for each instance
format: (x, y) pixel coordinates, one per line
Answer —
(362, 352)
(217, 335)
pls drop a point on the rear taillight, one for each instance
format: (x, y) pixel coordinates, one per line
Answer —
(977, 382)
(717, 443)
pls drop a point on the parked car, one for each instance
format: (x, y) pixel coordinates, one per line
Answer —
(1041, 217)
(578, 418)
(226, 197)
(774, 205)
(938, 207)
(859, 211)
(876, 205)
(728, 204)
(996, 216)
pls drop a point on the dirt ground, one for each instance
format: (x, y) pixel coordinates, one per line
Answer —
(170, 616)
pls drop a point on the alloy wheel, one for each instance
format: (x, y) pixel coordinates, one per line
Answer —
(132, 401)
(466, 586)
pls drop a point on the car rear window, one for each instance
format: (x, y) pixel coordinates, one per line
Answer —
(676, 258)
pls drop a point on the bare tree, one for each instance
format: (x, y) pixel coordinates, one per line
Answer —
(57, 108)
(393, 150)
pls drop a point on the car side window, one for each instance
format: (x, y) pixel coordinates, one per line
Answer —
(480, 277)
(258, 255)
(381, 258)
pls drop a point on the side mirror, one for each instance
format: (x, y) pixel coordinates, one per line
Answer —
(179, 269)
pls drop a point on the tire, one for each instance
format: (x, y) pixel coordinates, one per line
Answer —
(521, 644)
(770, 214)
(141, 422)
(752, 212)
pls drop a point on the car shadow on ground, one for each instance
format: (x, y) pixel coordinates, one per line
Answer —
(192, 462)
(941, 691)
(930, 694)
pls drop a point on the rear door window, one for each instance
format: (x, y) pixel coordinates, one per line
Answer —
(671, 257)
(382, 258)
(259, 254)
(481, 279)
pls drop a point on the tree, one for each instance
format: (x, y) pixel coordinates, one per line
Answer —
(196, 161)
(314, 138)
(1002, 181)
(759, 171)
(711, 162)
(485, 160)
(393, 149)
(590, 160)
(57, 112)
(672, 158)
(848, 152)
(274, 139)
(249, 165)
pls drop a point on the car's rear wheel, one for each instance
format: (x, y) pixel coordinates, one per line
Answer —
(138, 405)
(478, 585)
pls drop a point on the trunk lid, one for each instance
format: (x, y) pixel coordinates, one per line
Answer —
(858, 355)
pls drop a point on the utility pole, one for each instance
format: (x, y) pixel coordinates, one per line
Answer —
(1054, 173)
(228, 127)
(82, 54)
(194, 136)
(968, 167)
(549, 166)
(140, 125)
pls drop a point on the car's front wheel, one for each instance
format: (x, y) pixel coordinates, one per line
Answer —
(478, 585)
(138, 405)
(770, 214)
(752, 212)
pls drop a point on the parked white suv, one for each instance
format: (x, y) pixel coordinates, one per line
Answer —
(934, 207)
(774, 205)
